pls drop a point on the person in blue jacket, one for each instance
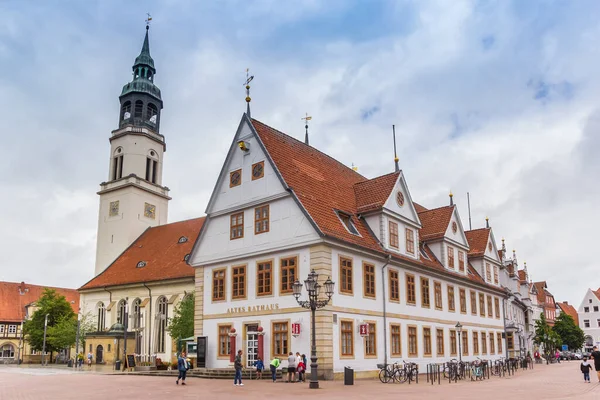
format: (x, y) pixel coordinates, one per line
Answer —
(260, 365)
(182, 367)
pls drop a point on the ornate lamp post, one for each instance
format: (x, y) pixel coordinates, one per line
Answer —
(459, 330)
(313, 303)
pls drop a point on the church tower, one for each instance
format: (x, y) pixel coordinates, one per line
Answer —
(134, 197)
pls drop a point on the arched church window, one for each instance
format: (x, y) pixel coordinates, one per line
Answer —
(151, 113)
(126, 111)
(162, 316)
(139, 109)
(121, 312)
(101, 313)
(137, 313)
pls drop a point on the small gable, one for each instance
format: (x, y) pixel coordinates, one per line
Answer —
(400, 202)
(454, 230)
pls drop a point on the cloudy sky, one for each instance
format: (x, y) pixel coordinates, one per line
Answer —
(497, 98)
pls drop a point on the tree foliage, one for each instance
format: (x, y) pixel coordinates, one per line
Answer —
(570, 334)
(182, 324)
(60, 318)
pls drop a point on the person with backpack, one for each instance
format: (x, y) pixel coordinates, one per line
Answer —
(585, 369)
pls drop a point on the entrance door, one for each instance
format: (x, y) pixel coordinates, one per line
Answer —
(251, 345)
(99, 354)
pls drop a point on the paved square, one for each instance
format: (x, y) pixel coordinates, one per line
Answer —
(563, 381)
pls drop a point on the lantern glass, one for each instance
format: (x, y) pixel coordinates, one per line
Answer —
(310, 284)
(317, 289)
(458, 327)
(297, 289)
(329, 285)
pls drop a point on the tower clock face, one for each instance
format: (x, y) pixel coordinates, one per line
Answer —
(149, 210)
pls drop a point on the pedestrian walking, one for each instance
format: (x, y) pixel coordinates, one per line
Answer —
(89, 357)
(237, 381)
(291, 368)
(596, 357)
(182, 367)
(585, 369)
(557, 355)
(275, 363)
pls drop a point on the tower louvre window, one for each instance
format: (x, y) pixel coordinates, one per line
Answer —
(139, 109)
(126, 111)
(151, 170)
(151, 113)
(117, 167)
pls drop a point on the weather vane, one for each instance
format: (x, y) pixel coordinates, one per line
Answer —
(306, 119)
(148, 20)
(247, 84)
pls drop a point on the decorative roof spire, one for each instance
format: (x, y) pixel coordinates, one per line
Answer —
(247, 84)
(397, 167)
(451, 198)
(144, 59)
(306, 119)
(487, 222)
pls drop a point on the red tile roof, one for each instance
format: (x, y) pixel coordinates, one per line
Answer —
(478, 241)
(597, 293)
(12, 303)
(522, 275)
(372, 194)
(419, 208)
(160, 249)
(435, 222)
(570, 310)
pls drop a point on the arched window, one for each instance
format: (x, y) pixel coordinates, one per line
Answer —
(139, 109)
(162, 316)
(121, 312)
(152, 166)
(151, 113)
(7, 351)
(137, 323)
(101, 313)
(126, 111)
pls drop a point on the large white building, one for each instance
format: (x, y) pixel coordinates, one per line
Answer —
(589, 318)
(281, 208)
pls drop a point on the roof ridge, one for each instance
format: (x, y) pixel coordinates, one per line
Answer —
(378, 177)
(41, 286)
(437, 208)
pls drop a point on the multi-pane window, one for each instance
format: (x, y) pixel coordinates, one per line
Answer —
(497, 306)
(347, 328)
(490, 310)
(264, 278)
(450, 257)
(280, 339)
(461, 261)
(12, 329)
(219, 284)
(347, 221)
(488, 272)
(496, 274)
(439, 341)
(425, 301)
(261, 219)
(346, 275)
(483, 343)
(453, 351)
(473, 302)
(510, 344)
(411, 295)
(412, 341)
(410, 241)
(288, 273)
(475, 343)
(462, 295)
(163, 318)
(393, 234)
(492, 345)
(427, 341)
(451, 301)
(238, 282)
(482, 304)
(224, 343)
(465, 344)
(371, 341)
(396, 340)
(237, 226)
(437, 293)
(368, 280)
(499, 342)
(394, 285)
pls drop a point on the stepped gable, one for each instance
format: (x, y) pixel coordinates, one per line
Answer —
(160, 249)
(478, 241)
(372, 194)
(435, 222)
(15, 296)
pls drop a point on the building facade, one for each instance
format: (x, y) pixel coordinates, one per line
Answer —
(589, 319)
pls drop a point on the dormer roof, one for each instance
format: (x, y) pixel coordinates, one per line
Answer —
(372, 194)
(478, 241)
(435, 222)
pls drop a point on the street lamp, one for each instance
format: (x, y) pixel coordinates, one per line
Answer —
(44, 345)
(313, 303)
(458, 327)
(77, 339)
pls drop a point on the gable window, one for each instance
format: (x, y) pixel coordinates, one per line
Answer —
(495, 274)
(371, 341)
(427, 341)
(347, 333)
(261, 219)
(348, 223)
(410, 241)
(224, 342)
(346, 275)
(219, 285)
(238, 282)
(288, 273)
(463, 300)
(393, 234)
(475, 343)
(473, 302)
(595, 308)
(411, 295)
(264, 278)
(461, 261)
(412, 341)
(483, 343)
(488, 272)
(425, 292)
(237, 226)
(280, 339)
(586, 309)
(586, 323)
(451, 301)
(235, 178)
(394, 285)
(453, 351)
(489, 306)
(369, 280)
(450, 257)
(258, 170)
(497, 307)
(396, 342)
(439, 341)
(437, 293)
(482, 304)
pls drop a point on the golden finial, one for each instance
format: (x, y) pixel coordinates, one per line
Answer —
(306, 118)
(354, 168)
(247, 84)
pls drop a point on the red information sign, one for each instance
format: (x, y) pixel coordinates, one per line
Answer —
(296, 328)
(364, 329)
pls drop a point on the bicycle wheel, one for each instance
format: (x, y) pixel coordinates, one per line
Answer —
(385, 375)
(401, 376)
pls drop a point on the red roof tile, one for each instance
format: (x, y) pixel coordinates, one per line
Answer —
(160, 249)
(597, 293)
(435, 222)
(522, 275)
(372, 194)
(478, 241)
(12, 303)
(570, 310)
(419, 208)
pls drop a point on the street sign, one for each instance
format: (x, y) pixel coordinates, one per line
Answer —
(565, 347)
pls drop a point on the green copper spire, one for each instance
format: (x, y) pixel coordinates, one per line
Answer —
(143, 73)
(144, 59)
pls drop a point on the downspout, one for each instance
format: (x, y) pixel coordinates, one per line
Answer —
(109, 294)
(505, 303)
(149, 320)
(385, 354)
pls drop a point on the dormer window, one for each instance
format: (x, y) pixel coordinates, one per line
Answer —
(346, 219)
(141, 264)
(182, 239)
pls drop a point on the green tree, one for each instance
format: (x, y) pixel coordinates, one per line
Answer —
(182, 324)
(570, 334)
(59, 311)
(87, 323)
(543, 334)
(62, 334)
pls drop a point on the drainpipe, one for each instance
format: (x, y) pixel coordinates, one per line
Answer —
(149, 320)
(505, 303)
(385, 356)
(109, 294)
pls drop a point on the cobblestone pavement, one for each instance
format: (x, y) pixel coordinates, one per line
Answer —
(562, 381)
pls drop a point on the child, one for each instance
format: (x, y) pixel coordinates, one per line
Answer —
(259, 367)
(585, 368)
(301, 371)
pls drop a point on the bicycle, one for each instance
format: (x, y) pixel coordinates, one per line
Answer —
(476, 370)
